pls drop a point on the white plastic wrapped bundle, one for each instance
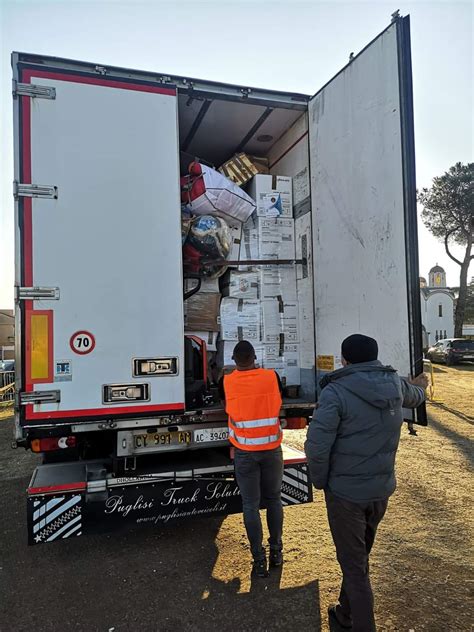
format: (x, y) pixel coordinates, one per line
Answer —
(220, 197)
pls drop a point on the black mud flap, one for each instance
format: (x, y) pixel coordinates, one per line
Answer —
(61, 510)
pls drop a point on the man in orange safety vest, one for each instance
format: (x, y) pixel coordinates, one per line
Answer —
(253, 400)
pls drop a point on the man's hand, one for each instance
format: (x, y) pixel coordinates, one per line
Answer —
(421, 380)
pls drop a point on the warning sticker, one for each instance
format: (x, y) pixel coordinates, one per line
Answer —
(325, 362)
(63, 371)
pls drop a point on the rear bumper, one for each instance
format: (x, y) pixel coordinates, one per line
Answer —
(71, 499)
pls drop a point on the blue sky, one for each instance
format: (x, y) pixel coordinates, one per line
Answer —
(294, 46)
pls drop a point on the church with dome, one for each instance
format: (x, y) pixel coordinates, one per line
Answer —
(437, 307)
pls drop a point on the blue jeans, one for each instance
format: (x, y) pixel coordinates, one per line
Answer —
(259, 475)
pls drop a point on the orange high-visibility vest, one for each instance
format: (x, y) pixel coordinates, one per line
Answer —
(253, 402)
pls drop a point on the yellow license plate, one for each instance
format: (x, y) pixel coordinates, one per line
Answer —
(156, 439)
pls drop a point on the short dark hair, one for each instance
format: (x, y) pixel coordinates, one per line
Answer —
(244, 353)
(359, 348)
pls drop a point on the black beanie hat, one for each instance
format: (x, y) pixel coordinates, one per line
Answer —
(358, 348)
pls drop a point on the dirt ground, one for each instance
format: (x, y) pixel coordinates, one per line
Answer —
(195, 577)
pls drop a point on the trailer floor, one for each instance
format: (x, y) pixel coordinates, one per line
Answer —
(195, 577)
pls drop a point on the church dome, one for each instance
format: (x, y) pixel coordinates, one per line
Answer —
(436, 268)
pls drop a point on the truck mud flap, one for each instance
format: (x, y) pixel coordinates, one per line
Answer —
(69, 500)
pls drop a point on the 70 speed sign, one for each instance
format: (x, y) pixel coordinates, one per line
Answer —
(82, 342)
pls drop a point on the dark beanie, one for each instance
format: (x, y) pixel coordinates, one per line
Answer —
(358, 348)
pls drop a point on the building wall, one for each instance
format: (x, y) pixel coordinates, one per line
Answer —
(437, 326)
(7, 332)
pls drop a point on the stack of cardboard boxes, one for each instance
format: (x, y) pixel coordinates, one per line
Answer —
(260, 302)
(257, 303)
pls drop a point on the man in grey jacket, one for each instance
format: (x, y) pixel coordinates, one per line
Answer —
(351, 447)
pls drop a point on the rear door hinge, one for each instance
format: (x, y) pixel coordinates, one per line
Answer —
(37, 293)
(40, 397)
(32, 90)
(46, 191)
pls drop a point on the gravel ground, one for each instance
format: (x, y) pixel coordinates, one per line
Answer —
(195, 576)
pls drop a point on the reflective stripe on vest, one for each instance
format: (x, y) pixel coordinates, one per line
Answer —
(254, 441)
(255, 423)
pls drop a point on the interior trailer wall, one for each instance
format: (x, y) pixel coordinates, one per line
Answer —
(289, 156)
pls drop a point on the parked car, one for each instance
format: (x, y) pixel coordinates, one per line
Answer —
(451, 351)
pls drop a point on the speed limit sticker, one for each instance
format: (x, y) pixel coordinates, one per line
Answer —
(82, 342)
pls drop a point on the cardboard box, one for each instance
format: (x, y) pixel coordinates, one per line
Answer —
(241, 285)
(268, 238)
(236, 236)
(285, 360)
(280, 320)
(272, 194)
(276, 238)
(241, 168)
(303, 241)
(207, 285)
(249, 247)
(201, 312)
(241, 320)
(209, 337)
(278, 281)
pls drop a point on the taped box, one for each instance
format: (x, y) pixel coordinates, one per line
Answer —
(276, 238)
(268, 238)
(241, 168)
(272, 194)
(241, 319)
(201, 312)
(280, 320)
(236, 237)
(209, 337)
(285, 360)
(241, 284)
(278, 281)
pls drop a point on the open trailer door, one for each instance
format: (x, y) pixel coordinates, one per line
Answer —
(362, 163)
(97, 242)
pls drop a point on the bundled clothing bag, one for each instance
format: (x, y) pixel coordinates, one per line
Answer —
(205, 191)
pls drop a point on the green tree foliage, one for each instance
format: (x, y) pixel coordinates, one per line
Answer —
(448, 212)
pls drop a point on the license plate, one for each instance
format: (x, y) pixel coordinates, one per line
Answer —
(207, 435)
(156, 439)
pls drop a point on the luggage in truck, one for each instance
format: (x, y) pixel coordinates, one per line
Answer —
(113, 388)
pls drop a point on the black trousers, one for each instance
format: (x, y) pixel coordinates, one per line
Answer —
(259, 475)
(353, 527)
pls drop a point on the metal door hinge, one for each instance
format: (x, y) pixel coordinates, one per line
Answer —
(40, 397)
(33, 91)
(46, 191)
(37, 293)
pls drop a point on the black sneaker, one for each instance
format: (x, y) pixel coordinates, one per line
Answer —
(276, 559)
(334, 624)
(259, 568)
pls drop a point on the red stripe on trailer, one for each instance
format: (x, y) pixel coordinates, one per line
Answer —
(51, 489)
(288, 150)
(96, 81)
(94, 412)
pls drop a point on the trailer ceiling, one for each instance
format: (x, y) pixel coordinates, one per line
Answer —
(215, 129)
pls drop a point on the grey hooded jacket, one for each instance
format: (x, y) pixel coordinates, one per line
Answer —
(353, 437)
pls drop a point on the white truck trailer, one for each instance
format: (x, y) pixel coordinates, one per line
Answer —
(101, 367)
